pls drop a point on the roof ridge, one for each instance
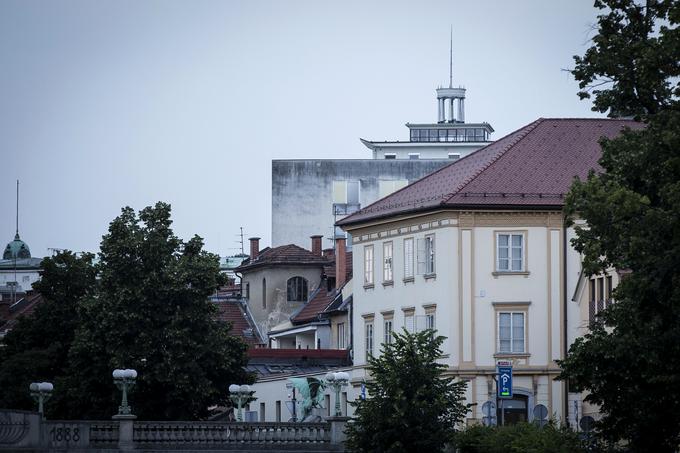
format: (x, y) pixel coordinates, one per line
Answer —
(521, 135)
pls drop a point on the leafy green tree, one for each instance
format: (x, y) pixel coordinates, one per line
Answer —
(411, 404)
(36, 349)
(152, 313)
(630, 361)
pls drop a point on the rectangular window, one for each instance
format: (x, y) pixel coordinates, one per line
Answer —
(426, 255)
(386, 187)
(414, 156)
(414, 135)
(408, 258)
(368, 265)
(387, 261)
(390, 156)
(510, 252)
(388, 331)
(278, 411)
(369, 339)
(339, 191)
(600, 294)
(609, 290)
(429, 321)
(510, 332)
(454, 156)
(409, 321)
(341, 335)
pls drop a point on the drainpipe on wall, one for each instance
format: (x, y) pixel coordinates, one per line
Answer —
(565, 347)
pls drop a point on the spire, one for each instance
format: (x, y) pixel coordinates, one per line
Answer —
(451, 60)
(17, 219)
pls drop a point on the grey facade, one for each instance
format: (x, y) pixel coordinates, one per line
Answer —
(303, 192)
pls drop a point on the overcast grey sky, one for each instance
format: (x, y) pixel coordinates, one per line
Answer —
(111, 103)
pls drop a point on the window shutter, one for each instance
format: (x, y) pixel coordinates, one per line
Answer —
(422, 257)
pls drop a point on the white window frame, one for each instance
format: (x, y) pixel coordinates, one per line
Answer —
(408, 259)
(512, 338)
(369, 262)
(510, 250)
(368, 331)
(387, 331)
(427, 256)
(341, 335)
(388, 259)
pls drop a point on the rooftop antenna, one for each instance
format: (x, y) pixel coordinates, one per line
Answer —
(451, 60)
(17, 232)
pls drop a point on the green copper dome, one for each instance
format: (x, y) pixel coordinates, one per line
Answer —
(16, 249)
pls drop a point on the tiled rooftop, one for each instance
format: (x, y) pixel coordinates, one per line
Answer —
(532, 167)
(285, 254)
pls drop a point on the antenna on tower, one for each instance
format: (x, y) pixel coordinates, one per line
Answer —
(451, 60)
(17, 232)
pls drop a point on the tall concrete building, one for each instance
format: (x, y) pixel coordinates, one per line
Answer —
(310, 195)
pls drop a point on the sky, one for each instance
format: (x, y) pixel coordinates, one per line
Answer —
(105, 104)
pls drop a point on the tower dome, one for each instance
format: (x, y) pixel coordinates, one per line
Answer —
(17, 249)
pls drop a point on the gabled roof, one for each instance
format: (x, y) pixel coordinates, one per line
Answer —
(284, 254)
(531, 168)
(231, 310)
(320, 299)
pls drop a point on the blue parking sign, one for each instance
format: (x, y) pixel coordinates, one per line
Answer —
(505, 382)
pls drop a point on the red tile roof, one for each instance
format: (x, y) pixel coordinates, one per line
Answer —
(232, 311)
(532, 167)
(318, 303)
(285, 254)
(23, 307)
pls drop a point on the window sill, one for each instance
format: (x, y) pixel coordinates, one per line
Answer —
(369, 286)
(432, 276)
(503, 355)
(388, 283)
(499, 273)
(409, 280)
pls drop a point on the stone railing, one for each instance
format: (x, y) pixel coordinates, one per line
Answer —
(216, 433)
(28, 430)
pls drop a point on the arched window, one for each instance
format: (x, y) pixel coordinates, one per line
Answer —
(297, 289)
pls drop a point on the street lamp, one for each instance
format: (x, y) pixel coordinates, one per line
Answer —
(240, 394)
(124, 380)
(336, 381)
(41, 392)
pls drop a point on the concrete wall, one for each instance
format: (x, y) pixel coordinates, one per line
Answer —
(277, 308)
(302, 192)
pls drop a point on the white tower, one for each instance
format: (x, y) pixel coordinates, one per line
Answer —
(451, 97)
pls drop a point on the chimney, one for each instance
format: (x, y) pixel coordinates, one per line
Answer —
(340, 262)
(254, 247)
(316, 245)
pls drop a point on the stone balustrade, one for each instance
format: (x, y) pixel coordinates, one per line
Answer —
(28, 430)
(216, 433)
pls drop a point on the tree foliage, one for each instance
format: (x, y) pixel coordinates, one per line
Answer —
(36, 349)
(630, 361)
(521, 437)
(148, 309)
(411, 404)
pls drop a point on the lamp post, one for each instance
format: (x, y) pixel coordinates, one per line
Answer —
(41, 392)
(124, 380)
(336, 381)
(240, 394)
